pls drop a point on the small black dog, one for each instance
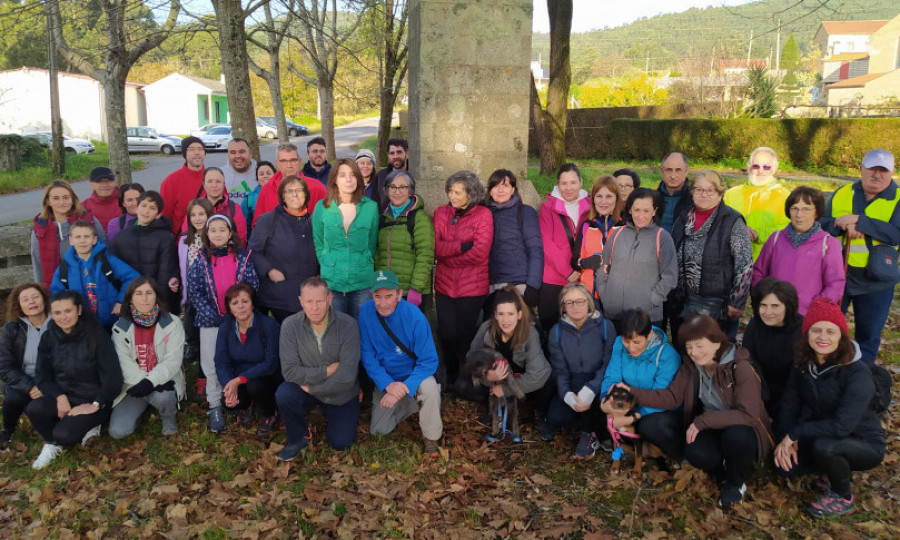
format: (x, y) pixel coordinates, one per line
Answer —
(503, 409)
(621, 403)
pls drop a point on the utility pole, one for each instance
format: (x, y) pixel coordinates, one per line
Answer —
(57, 150)
(749, 48)
(778, 49)
(647, 63)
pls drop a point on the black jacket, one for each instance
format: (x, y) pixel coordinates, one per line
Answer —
(149, 249)
(772, 348)
(835, 403)
(65, 365)
(12, 354)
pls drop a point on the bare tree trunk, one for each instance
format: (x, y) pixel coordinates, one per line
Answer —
(114, 108)
(57, 150)
(392, 64)
(272, 76)
(326, 106)
(550, 124)
(230, 17)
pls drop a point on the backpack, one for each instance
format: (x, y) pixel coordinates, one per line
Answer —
(410, 226)
(615, 235)
(883, 382)
(105, 268)
(763, 387)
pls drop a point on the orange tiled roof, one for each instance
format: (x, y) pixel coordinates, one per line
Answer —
(856, 82)
(853, 27)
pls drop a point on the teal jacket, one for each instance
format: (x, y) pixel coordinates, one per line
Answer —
(413, 262)
(346, 259)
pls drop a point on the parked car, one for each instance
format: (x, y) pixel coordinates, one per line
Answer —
(205, 129)
(72, 146)
(263, 129)
(294, 129)
(147, 139)
(217, 138)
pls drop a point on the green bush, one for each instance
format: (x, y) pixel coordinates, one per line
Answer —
(809, 143)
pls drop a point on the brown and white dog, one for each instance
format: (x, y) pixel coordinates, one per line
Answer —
(505, 410)
(620, 403)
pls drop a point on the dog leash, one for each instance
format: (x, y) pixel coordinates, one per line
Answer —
(616, 436)
(503, 413)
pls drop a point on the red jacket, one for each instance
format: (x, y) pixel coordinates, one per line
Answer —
(105, 210)
(230, 209)
(557, 251)
(177, 190)
(459, 274)
(47, 234)
(268, 195)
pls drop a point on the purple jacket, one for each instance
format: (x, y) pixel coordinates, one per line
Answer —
(816, 268)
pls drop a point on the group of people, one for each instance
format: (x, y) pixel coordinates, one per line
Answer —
(343, 263)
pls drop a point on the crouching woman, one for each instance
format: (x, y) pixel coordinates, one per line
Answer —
(150, 344)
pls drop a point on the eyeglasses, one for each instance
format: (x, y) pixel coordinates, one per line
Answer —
(288, 160)
(757, 167)
(580, 302)
(802, 209)
(298, 191)
(398, 189)
(706, 192)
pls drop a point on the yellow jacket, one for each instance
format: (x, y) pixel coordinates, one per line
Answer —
(762, 207)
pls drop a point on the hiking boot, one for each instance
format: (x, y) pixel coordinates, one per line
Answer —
(266, 426)
(216, 419)
(93, 432)
(831, 505)
(544, 428)
(5, 436)
(48, 453)
(822, 484)
(731, 495)
(245, 416)
(292, 450)
(432, 448)
(587, 446)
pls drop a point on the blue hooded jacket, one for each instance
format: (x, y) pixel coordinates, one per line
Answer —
(654, 369)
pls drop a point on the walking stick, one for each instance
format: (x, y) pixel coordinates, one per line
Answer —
(846, 252)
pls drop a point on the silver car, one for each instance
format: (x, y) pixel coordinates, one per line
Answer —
(147, 139)
(72, 146)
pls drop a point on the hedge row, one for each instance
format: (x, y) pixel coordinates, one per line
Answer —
(803, 142)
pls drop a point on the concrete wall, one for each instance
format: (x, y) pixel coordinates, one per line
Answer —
(876, 92)
(469, 70)
(832, 70)
(172, 104)
(885, 48)
(15, 259)
(846, 43)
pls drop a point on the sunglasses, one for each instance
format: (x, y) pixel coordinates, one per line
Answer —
(763, 167)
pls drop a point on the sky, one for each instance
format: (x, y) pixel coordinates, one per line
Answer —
(593, 14)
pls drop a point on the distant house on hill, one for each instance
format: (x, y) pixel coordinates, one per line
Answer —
(861, 64)
(179, 103)
(540, 73)
(740, 66)
(25, 103)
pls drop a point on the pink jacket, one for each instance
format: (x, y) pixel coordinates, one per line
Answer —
(557, 251)
(816, 268)
(459, 274)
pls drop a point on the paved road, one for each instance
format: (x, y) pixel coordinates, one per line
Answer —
(22, 206)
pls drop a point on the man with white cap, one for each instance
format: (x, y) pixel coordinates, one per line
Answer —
(866, 213)
(397, 350)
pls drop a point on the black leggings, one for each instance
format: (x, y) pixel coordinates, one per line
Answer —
(66, 431)
(836, 458)
(548, 305)
(260, 391)
(736, 446)
(14, 403)
(665, 430)
(457, 324)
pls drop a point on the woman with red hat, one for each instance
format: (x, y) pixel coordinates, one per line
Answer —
(826, 416)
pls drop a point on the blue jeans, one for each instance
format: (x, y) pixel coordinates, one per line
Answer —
(350, 302)
(871, 312)
(340, 420)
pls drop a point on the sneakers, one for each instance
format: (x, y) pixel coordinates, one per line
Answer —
(587, 446)
(245, 417)
(432, 448)
(266, 425)
(822, 484)
(169, 426)
(607, 445)
(216, 419)
(292, 450)
(831, 505)
(5, 436)
(93, 432)
(544, 428)
(48, 453)
(731, 495)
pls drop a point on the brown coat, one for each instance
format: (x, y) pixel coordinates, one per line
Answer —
(738, 385)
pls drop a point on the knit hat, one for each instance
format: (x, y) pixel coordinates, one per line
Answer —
(187, 141)
(101, 173)
(367, 154)
(824, 309)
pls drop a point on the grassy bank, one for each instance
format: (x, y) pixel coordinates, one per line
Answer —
(315, 125)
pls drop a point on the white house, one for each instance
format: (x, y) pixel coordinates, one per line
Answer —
(178, 103)
(25, 103)
(839, 37)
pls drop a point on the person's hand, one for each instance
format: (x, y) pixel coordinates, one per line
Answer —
(786, 454)
(168, 386)
(34, 393)
(620, 422)
(276, 275)
(332, 369)
(593, 262)
(574, 277)
(754, 236)
(499, 372)
(388, 401)
(691, 434)
(305, 388)
(853, 234)
(532, 296)
(466, 246)
(414, 297)
(580, 406)
(735, 313)
(141, 389)
(174, 283)
(62, 405)
(623, 385)
(845, 222)
(497, 390)
(606, 406)
(231, 392)
(84, 408)
(116, 309)
(397, 389)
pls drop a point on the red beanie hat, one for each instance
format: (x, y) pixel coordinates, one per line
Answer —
(824, 309)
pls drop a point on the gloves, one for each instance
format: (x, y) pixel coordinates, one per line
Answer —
(531, 296)
(466, 246)
(141, 389)
(593, 262)
(165, 387)
(586, 395)
(414, 297)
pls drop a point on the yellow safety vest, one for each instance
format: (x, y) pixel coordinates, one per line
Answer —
(880, 209)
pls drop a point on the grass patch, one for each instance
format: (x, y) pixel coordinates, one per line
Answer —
(78, 167)
(314, 124)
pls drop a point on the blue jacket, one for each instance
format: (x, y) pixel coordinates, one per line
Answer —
(254, 359)
(517, 254)
(580, 354)
(654, 369)
(82, 272)
(202, 288)
(383, 359)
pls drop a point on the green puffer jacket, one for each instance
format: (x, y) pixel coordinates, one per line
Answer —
(413, 266)
(346, 259)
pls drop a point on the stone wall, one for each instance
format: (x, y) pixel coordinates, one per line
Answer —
(15, 259)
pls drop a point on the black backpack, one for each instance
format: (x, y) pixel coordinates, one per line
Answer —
(105, 268)
(410, 226)
(883, 383)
